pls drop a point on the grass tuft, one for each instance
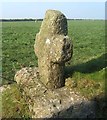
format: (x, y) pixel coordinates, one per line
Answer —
(13, 104)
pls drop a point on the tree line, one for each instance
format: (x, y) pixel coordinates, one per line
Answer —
(12, 20)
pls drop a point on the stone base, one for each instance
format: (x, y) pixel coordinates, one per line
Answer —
(47, 103)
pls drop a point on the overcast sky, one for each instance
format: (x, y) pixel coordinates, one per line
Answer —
(87, 10)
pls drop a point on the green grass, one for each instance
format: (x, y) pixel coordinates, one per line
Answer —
(18, 51)
(86, 68)
(13, 104)
(88, 39)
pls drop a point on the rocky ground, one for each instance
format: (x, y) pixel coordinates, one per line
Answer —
(52, 103)
(56, 103)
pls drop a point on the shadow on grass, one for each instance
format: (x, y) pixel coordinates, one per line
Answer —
(100, 102)
(88, 67)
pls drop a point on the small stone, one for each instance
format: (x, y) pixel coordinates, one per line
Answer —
(70, 83)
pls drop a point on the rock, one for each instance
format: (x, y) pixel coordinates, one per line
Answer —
(25, 75)
(28, 80)
(4, 87)
(53, 48)
(47, 103)
(57, 103)
(70, 83)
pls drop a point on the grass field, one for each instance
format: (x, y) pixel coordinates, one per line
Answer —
(89, 48)
(87, 66)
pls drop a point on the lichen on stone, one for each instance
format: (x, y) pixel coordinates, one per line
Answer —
(53, 48)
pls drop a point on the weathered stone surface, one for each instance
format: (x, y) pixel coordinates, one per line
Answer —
(28, 80)
(53, 48)
(25, 75)
(48, 103)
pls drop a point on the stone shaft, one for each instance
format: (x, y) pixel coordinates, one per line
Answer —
(53, 48)
(52, 75)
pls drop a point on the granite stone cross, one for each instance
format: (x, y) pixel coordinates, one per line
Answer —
(53, 48)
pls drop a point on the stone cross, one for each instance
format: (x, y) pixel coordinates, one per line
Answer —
(53, 48)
